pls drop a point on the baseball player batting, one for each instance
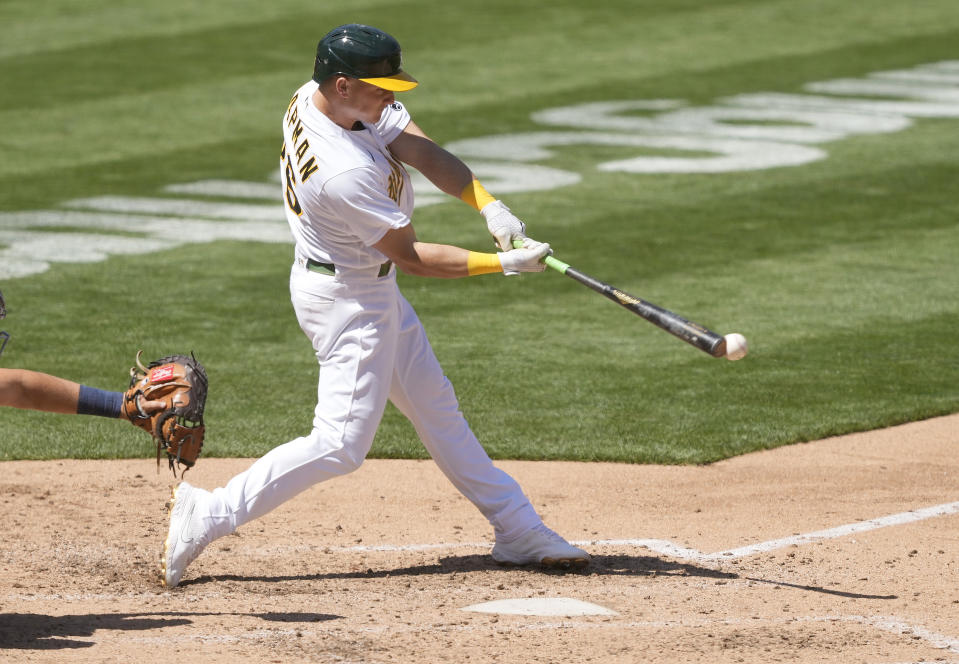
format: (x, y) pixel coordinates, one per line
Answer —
(349, 204)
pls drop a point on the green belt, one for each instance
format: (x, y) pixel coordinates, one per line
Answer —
(330, 269)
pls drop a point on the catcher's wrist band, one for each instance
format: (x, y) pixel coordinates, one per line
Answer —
(99, 402)
(477, 263)
(476, 195)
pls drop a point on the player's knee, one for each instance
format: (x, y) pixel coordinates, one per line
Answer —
(348, 459)
(341, 456)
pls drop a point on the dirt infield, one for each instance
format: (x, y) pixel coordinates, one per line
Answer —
(843, 550)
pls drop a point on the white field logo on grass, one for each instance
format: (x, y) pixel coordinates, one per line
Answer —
(741, 133)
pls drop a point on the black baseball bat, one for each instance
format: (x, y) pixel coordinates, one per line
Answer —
(692, 333)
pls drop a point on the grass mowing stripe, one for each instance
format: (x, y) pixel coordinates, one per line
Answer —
(26, 26)
(141, 124)
(847, 212)
(153, 113)
(253, 157)
(651, 415)
(630, 411)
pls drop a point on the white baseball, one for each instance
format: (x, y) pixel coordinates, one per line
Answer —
(736, 346)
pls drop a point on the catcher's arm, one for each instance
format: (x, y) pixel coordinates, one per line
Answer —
(33, 390)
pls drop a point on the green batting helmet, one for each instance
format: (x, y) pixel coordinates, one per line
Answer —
(363, 52)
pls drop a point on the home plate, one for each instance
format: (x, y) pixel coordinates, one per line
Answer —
(541, 606)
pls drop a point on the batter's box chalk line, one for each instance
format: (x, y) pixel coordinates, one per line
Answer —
(672, 550)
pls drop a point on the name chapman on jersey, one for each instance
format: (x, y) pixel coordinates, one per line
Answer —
(302, 151)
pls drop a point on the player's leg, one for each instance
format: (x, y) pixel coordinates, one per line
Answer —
(421, 391)
(353, 332)
(354, 338)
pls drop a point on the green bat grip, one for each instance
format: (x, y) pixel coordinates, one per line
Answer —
(554, 263)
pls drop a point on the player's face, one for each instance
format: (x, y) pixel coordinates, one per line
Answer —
(369, 101)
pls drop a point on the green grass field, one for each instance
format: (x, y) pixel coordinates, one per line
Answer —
(842, 271)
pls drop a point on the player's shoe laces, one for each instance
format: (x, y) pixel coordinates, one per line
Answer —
(540, 545)
(188, 534)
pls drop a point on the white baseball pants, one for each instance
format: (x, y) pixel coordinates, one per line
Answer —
(371, 347)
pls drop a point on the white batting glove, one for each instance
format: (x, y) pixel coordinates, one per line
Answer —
(527, 259)
(503, 225)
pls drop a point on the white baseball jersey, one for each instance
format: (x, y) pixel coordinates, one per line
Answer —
(343, 188)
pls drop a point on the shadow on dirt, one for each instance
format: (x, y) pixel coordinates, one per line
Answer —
(820, 589)
(36, 631)
(648, 566)
(600, 565)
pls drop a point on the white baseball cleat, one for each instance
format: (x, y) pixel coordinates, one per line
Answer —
(540, 545)
(187, 537)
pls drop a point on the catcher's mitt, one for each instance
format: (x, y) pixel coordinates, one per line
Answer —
(180, 382)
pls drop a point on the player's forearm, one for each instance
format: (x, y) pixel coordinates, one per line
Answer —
(446, 261)
(426, 259)
(33, 390)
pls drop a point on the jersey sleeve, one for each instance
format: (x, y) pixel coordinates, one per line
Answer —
(355, 196)
(392, 122)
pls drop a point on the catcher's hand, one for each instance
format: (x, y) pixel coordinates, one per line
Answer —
(180, 382)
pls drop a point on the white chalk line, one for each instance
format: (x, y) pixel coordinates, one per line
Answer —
(664, 547)
(841, 531)
(896, 626)
(673, 550)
